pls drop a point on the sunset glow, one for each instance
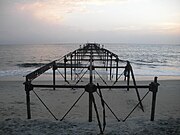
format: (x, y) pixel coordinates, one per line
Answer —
(137, 16)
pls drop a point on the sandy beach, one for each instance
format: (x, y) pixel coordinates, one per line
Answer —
(13, 118)
(89, 67)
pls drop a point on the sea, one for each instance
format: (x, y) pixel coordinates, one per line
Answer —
(17, 60)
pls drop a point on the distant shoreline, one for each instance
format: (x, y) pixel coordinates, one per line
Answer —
(80, 43)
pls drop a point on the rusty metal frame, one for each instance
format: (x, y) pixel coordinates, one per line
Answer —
(74, 60)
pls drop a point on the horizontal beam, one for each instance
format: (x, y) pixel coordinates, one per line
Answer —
(109, 67)
(94, 54)
(39, 71)
(83, 86)
(96, 59)
(79, 66)
(86, 55)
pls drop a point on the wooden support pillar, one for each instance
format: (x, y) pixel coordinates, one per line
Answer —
(153, 88)
(54, 76)
(28, 88)
(90, 106)
(128, 74)
(75, 63)
(107, 60)
(81, 54)
(71, 66)
(77, 57)
(105, 57)
(111, 67)
(90, 82)
(65, 60)
(28, 104)
(117, 60)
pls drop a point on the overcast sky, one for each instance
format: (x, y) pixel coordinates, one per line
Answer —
(80, 21)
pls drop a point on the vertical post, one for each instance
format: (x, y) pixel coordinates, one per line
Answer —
(117, 60)
(81, 55)
(75, 63)
(28, 104)
(71, 65)
(104, 56)
(65, 60)
(27, 89)
(107, 60)
(90, 81)
(77, 60)
(111, 67)
(154, 88)
(54, 77)
(128, 75)
(90, 106)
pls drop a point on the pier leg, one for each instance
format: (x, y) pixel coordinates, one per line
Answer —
(111, 67)
(128, 80)
(28, 105)
(154, 88)
(54, 77)
(117, 69)
(65, 60)
(128, 68)
(28, 88)
(107, 60)
(90, 107)
(89, 88)
(71, 66)
(75, 63)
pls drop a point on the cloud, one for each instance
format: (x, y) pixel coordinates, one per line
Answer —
(55, 11)
(169, 27)
(81, 20)
(52, 11)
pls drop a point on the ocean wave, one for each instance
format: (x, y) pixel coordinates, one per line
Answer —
(151, 63)
(14, 72)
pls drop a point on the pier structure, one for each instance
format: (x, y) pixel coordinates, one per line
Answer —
(88, 63)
